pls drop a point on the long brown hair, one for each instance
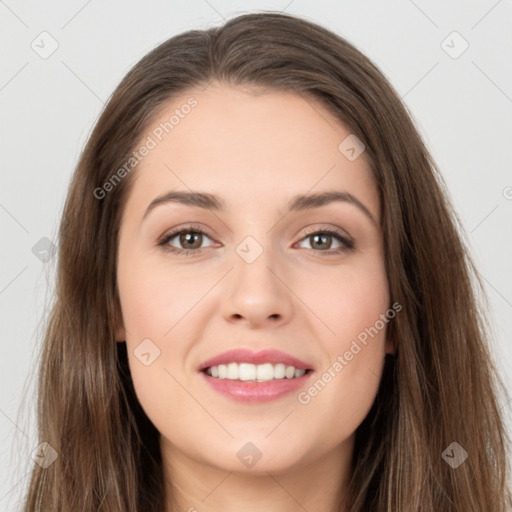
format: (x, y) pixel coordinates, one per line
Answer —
(441, 386)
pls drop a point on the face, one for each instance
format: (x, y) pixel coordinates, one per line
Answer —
(196, 281)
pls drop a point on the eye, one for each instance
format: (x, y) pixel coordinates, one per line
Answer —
(322, 239)
(190, 238)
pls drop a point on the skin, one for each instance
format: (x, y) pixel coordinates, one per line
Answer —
(254, 150)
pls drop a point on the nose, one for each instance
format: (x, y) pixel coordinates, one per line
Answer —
(256, 294)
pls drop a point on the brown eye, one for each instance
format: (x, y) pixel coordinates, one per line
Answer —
(190, 239)
(184, 241)
(321, 241)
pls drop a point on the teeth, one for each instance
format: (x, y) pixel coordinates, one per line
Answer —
(257, 373)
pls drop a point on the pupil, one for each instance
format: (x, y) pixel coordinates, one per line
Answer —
(187, 238)
(316, 237)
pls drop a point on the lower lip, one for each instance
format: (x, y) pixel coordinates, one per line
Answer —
(256, 392)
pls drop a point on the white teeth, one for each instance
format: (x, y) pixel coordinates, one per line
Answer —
(246, 371)
(280, 371)
(232, 371)
(290, 372)
(264, 372)
(258, 373)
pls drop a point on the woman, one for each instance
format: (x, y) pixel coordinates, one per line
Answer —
(260, 369)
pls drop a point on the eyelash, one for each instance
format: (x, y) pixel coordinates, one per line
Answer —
(163, 241)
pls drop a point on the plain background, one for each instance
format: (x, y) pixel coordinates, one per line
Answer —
(460, 100)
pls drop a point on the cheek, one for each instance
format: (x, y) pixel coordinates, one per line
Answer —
(350, 301)
(154, 297)
(355, 311)
(151, 307)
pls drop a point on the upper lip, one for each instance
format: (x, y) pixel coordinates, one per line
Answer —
(242, 355)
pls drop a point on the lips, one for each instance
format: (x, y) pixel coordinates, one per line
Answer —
(240, 355)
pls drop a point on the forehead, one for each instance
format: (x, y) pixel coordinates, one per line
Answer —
(250, 145)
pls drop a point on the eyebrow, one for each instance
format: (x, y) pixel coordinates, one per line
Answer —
(296, 203)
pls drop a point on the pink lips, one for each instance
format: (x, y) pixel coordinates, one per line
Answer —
(241, 355)
(255, 392)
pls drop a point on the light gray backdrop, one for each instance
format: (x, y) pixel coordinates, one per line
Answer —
(450, 61)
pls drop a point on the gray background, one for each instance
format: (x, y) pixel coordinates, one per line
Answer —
(461, 103)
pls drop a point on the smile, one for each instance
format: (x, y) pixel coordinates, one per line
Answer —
(255, 373)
